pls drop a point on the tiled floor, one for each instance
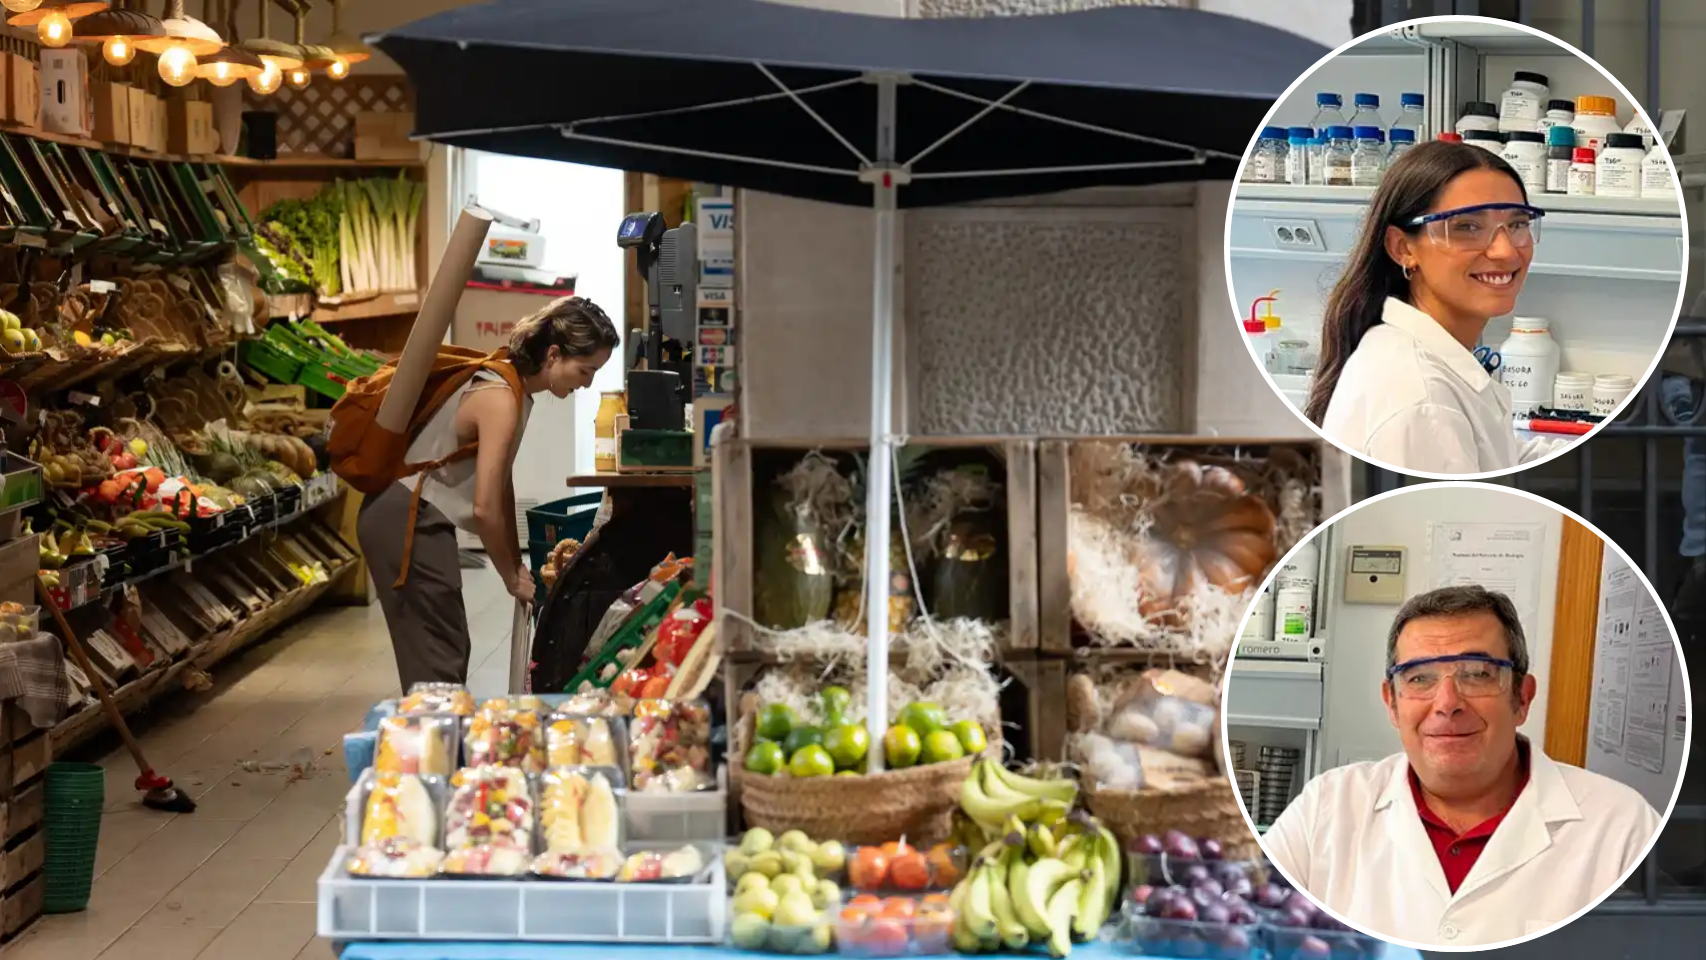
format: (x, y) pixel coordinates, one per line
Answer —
(235, 879)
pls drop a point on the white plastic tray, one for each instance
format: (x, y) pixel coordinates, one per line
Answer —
(539, 910)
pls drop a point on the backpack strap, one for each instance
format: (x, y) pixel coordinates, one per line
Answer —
(512, 377)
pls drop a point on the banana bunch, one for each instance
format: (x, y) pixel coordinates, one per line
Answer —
(1051, 879)
(141, 523)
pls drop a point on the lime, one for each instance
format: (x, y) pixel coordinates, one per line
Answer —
(765, 758)
(971, 737)
(836, 701)
(811, 760)
(776, 721)
(901, 746)
(802, 737)
(924, 717)
(942, 746)
(847, 744)
(850, 773)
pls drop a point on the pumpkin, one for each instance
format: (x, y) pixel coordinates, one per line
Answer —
(1206, 525)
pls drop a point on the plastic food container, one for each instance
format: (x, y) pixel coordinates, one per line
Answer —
(1160, 870)
(587, 741)
(398, 805)
(423, 745)
(895, 927)
(1157, 937)
(669, 747)
(1291, 943)
(437, 698)
(579, 809)
(505, 738)
(489, 805)
(877, 869)
(753, 933)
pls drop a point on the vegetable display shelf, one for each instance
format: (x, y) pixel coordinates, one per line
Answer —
(514, 950)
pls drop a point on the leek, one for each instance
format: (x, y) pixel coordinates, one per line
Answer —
(377, 233)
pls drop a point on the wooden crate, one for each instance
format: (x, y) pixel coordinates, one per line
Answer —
(24, 811)
(1041, 720)
(733, 548)
(22, 861)
(21, 907)
(1054, 503)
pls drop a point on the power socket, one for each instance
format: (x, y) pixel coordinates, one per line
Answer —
(1296, 235)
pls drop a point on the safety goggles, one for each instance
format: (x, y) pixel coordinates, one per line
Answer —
(1472, 229)
(1475, 674)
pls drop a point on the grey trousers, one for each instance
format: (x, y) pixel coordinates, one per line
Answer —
(427, 619)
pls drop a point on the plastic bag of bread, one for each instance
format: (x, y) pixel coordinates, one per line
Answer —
(451, 698)
(489, 805)
(394, 858)
(422, 745)
(506, 738)
(1119, 765)
(1170, 710)
(399, 805)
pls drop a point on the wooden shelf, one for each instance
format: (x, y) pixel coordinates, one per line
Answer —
(358, 307)
(297, 162)
(309, 162)
(684, 478)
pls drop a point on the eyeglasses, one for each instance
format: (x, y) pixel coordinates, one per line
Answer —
(1475, 674)
(1472, 229)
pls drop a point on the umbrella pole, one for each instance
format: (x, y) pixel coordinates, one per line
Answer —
(878, 486)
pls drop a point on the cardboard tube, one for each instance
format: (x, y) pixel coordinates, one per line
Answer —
(433, 322)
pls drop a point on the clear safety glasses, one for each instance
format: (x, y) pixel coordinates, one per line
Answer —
(1476, 675)
(1472, 229)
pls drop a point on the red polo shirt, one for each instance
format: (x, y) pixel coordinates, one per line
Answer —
(1458, 852)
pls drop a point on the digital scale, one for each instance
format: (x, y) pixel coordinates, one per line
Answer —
(514, 256)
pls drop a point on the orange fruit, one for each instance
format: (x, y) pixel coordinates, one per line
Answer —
(910, 871)
(865, 900)
(899, 908)
(944, 865)
(869, 870)
(895, 848)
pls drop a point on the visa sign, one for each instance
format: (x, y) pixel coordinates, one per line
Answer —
(716, 218)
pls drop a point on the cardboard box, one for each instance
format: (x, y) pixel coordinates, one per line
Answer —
(162, 137)
(112, 112)
(385, 136)
(19, 562)
(189, 126)
(141, 119)
(65, 103)
(23, 91)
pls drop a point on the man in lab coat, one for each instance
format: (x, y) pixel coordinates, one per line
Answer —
(1471, 836)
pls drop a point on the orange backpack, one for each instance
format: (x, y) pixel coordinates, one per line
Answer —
(370, 458)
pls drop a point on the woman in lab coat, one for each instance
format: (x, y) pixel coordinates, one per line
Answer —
(1445, 248)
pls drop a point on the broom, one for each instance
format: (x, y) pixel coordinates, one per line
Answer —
(157, 791)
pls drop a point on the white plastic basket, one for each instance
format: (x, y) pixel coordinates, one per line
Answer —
(521, 909)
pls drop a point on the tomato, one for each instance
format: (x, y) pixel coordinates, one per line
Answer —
(910, 871)
(895, 848)
(899, 908)
(875, 937)
(654, 688)
(869, 870)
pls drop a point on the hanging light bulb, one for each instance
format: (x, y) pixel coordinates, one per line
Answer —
(267, 81)
(54, 30)
(338, 68)
(21, 6)
(177, 66)
(299, 78)
(220, 74)
(118, 51)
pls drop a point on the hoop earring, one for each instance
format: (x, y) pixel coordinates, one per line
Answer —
(1408, 270)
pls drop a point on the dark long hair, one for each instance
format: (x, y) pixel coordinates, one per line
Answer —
(1354, 307)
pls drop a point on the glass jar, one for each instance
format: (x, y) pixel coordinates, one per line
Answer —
(1329, 113)
(1267, 159)
(1297, 159)
(1368, 161)
(1367, 111)
(611, 404)
(1410, 117)
(1336, 161)
(1403, 141)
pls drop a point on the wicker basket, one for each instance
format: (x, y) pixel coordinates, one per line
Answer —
(917, 803)
(1209, 809)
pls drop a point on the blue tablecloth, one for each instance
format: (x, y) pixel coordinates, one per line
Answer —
(428, 950)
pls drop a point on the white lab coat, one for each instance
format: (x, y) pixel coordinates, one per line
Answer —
(1411, 397)
(1354, 840)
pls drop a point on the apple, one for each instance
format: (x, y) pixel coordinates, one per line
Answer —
(1179, 844)
(795, 910)
(751, 881)
(1239, 887)
(762, 902)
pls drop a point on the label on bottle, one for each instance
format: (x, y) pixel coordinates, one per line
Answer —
(1558, 176)
(1616, 177)
(1262, 168)
(1655, 180)
(1297, 167)
(1520, 105)
(1339, 171)
(1531, 170)
(1581, 180)
(604, 448)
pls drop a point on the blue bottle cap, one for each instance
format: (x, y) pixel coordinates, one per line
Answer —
(1298, 141)
(1273, 133)
(1339, 133)
(1561, 136)
(1368, 100)
(1403, 135)
(1304, 132)
(1369, 133)
(1329, 100)
(1410, 100)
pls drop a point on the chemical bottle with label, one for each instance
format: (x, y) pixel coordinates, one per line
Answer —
(1294, 595)
(1367, 112)
(1259, 628)
(1368, 160)
(1529, 364)
(1329, 112)
(1410, 117)
(1336, 161)
(1403, 141)
(1263, 332)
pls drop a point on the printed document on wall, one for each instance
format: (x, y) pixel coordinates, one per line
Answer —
(1637, 688)
(1507, 557)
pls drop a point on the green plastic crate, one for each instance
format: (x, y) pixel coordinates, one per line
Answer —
(274, 361)
(631, 635)
(567, 519)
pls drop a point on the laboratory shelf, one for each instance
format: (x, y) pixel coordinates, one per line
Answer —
(1418, 37)
(1279, 694)
(1639, 240)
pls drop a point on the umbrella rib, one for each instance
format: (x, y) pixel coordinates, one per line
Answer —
(720, 104)
(988, 109)
(705, 154)
(1079, 168)
(798, 102)
(1076, 124)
